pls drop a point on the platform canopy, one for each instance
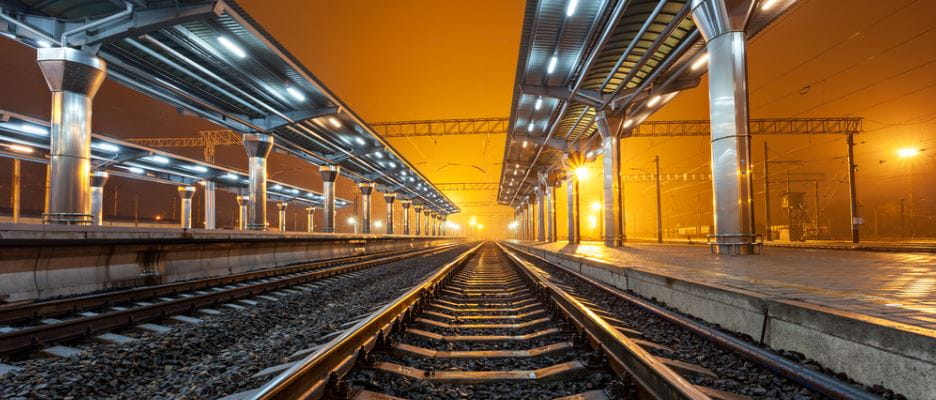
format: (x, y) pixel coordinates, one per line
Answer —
(624, 57)
(27, 138)
(211, 59)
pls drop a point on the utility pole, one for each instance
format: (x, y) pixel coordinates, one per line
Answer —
(818, 227)
(853, 203)
(656, 160)
(767, 233)
(699, 206)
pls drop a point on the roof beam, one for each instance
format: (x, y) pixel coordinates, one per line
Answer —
(591, 98)
(272, 122)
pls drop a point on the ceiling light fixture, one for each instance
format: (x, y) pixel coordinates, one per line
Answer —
(232, 47)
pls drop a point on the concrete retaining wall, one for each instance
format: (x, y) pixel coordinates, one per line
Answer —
(870, 350)
(63, 261)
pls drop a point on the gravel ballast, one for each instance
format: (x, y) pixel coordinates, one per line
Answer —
(218, 356)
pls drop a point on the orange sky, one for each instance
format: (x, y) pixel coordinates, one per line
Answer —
(421, 59)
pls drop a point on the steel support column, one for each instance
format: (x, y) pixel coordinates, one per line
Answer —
(98, 180)
(185, 210)
(366, 189)
(572, 191)
(550, 213)
(16, 190)
(427, 214)
(329, 175)
(722, 27)
(417, 209)
(613, 194)
(210, 213)
(389, 198)
(73, 77)
(242, 202)
(541, 211)
(852, 191)
(281, 213)
(406, 205)
(310, 219)
(258, 147)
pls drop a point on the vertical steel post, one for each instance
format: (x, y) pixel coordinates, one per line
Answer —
(185, 216)
(406, 205)
(74, 77)
(852, 192)
(98, 180)
(427, 213)
(258, 147)
(550, 212)
(613, 195)
(242, 202)
(541, 212)
(310, 219)
(574, 222)
(767, 231)
(281, 213)
(329, 175)
(389, 198)
(723, 31)
(210, 214)
(15, 196)
(417, 210)
(48, 189)
(366, 189)
(659, 202)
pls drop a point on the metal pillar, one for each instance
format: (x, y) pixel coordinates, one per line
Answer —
(427, 213)
(723, 30)
(185, 194)
(550, 213)
(442, 222)
(329, 175)
(659, 201)
(767, 233)
(242, 202)
(613, 194)
(281, 208)
(541, 210)
(852, 192)
(258, 147)
(73, 77)
(98, 179)
(406, 205)
(15, 196)
(417, 209)
(210, 213)
(48, 188)
(572, 191)
(389, 198)
(366, 189)
(310, 219)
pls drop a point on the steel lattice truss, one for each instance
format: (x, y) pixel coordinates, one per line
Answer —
(207, 140)
(443, 127)
(465, 186)
(764, 126)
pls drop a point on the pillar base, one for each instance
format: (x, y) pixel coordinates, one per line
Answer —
(68, 218)
(738, 245)
(256, 227)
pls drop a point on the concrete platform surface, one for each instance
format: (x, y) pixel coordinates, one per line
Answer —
(869, 314)
(899, 287)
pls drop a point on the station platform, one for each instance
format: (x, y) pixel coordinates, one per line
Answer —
(869, 314)
(865, 245)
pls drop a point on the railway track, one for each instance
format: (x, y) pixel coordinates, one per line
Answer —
(487, 325)
(42, 324)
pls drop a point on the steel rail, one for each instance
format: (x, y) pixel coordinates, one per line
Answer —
(28, 338)
(813, 380)
(625, 356)
(309, 378)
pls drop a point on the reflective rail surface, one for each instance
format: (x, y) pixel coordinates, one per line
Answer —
(473, 296)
